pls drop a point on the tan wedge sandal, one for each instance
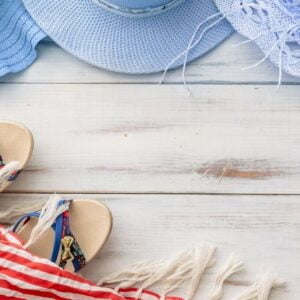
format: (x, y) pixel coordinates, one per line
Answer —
(16, 144)
(68, 232)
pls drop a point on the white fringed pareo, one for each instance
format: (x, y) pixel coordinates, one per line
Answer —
(273, 25)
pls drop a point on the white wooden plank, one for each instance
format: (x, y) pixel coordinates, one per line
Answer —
(224, 64)
(148, 138)
(264, 231)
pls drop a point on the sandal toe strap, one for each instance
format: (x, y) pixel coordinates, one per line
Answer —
(70, 249)
(64, 240)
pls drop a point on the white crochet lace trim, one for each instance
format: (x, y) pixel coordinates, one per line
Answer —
(274, 25)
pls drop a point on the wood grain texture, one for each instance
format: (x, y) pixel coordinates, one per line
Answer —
(100, 132)
(157, 139)
(264, 231)
(222, 65)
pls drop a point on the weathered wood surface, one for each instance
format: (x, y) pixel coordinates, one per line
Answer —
(264, 231)
(149, 138)
(99, 132)
(222, 65)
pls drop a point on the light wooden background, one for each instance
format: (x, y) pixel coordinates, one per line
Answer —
(222, 166)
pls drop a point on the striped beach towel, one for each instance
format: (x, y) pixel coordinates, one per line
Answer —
(25, 276)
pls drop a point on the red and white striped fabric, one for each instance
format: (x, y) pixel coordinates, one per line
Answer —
(25, 276)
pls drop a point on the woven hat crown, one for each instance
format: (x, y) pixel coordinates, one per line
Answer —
(137, 4)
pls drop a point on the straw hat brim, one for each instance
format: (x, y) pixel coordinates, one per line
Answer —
(19, 36)
(127, 44)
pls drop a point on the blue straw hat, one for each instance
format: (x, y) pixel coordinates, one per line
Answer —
(130, 36)
(18, 37)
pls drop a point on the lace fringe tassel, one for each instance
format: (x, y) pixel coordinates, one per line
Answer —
(261, 290)
(232, 266)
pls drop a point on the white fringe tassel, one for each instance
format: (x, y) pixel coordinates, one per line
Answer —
(232, 266)
(261, 290)
(11, 214)
(8, 170)
(135, 273)
(203, 259)
(163, 271)
(181, 273)
(186, 265)
(48, 215)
